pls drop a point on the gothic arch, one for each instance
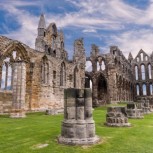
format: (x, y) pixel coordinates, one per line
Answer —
(14, 52)
(16, 46)
(102, 88)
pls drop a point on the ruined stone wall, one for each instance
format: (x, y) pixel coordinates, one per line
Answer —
(5, 101)
(114, 70)
(142, 67)
(44, 89)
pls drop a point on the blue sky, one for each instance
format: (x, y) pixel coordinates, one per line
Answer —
(125, 23)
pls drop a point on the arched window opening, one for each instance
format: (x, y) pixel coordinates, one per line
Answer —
(3, 76)
(151, 89)
(103, 65)
(138, 59)
(88, 82)
(45, 72)
(49, 51)
(143, 75)
(141, 55)
(136, 72)
(54, 53)
(98, 66)
(62, 45)
(114, 52)
(76, 77)
(63, 75)
(54, 75)
(146, 58)
(9, 78)
(144, 91)
(88, 66)
(138, 90)
(149, 71)
(14, 54)
(102, 89)
(6, 78)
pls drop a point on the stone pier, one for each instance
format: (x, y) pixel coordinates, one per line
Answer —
(19, 87)
(145, 106)
(133, 111)
(78, 127)
(116, 116)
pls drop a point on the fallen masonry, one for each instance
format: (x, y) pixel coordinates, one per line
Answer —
(116, 116)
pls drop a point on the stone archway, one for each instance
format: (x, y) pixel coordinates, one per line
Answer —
(102, 90)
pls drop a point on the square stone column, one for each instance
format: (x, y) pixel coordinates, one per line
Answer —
(19, 87)
(78, 127)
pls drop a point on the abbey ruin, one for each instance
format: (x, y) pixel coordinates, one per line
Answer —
(35, 79)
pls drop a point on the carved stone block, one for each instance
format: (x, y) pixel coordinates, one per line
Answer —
(116, 116)
(134, 111)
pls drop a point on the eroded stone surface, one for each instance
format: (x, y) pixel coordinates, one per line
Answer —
(133, 111)
(47, 71)
(78, 127)
(116, 116)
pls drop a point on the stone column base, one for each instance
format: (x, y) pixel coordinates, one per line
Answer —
(17, 114)
(75, 141)
(146, 110)
(135, 113)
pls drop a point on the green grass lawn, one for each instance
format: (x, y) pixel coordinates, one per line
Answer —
(26, 135)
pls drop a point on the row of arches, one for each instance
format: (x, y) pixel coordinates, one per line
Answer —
(125, 89)
(6, 69)
(100, 65)
(144, 89)
(143, 72)
(45, 70)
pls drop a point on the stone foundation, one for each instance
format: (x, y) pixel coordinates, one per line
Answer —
(133, 111)
(116, 116)
(78, 127)
(145, 106)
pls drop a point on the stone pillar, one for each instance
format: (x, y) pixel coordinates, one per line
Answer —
(116, 116)
(78, 127)
(133, 111)
(19, 87)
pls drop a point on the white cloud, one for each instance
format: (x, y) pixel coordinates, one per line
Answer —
(28, 23)
(89, 31)
(134, 40)
(88, 66)
(92, 16)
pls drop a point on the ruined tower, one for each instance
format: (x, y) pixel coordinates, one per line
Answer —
(40, 43)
